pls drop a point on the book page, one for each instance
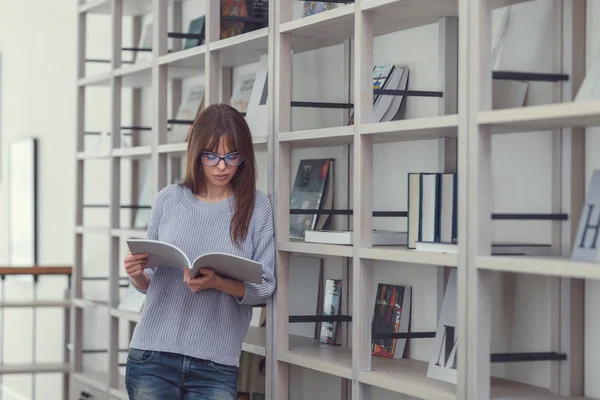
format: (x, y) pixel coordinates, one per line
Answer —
(160, 254)
(229, 266)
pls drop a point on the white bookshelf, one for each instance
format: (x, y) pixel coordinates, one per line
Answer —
(461, 122)
(160, 79)
(466, 123)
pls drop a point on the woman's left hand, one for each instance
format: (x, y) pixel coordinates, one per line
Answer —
(207, 280)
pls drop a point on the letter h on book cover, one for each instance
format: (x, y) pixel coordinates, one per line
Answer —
(586, 246)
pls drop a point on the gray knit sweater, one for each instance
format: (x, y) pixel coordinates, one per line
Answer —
(210, 324)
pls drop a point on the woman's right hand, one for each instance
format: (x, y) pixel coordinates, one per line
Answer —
(135, 264)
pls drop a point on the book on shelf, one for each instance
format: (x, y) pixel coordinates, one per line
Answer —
(315, 7)
(432, 207)
(145, 42)
(586, 245)
(242, 92)
(312, 190)
(244, 16)
(590, 87)
(161, 254)
(192, 103)
(196, 27)
(391, 315)
(331, 306)
(389, 77)
(442, 365)
(257, 112)
(379, 237)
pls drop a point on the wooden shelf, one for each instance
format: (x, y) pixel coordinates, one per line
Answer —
(255, 341)
(544, 117)
(126, 315)
(317, 249)
(321, 30)
(129, 233)
(398, 15)
(404, 255)
(194, 57)
(10, 369)
(36, 304)
(310, 354)
(319, 137)
(133, 152)
(541, 266)
(408, 377)
(411, 129)
(242, 49)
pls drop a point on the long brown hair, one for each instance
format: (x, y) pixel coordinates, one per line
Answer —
(213, 123)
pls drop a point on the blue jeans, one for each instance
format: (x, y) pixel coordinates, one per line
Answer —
(153, 375)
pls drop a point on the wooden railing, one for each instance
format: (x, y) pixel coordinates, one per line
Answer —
(34, 367)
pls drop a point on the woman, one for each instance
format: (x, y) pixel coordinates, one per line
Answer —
(188, 341)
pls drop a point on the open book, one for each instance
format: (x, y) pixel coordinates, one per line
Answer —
(161, 254)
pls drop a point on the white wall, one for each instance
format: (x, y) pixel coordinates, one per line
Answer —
(38, 99)
(38, 92)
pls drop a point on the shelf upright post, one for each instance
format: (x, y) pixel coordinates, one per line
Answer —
(464, 129)
(159, 95)
(212, 60)
(479, 199)
(175, 160)
(76, 324)
(572, 186)
(115, 194)
(281, 80)
(447, 105)
(346, 220)
(362, 286)
(271, 354)
(136, 120)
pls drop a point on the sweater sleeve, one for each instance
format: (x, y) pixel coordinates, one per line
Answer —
(264, 253)
(152, 231)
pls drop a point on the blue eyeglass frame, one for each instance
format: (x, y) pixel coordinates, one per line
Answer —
(224, 158)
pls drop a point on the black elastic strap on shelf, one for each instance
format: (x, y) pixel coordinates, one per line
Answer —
(299, 211)
(531, 217)
(148, 49)
(527, 357)
(319, 104)
(320, 318)
(495, 216)
(180, 121)
(529, 76)
(137, 128)
(263, 305)
(105, 61)
(408, 93)
(402, 335)
(180, 35)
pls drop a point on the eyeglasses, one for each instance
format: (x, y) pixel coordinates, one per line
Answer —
(212, 159)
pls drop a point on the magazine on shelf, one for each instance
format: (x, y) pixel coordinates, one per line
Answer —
(161, 254)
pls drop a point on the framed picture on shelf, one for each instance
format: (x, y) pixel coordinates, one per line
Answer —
(22, 203)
